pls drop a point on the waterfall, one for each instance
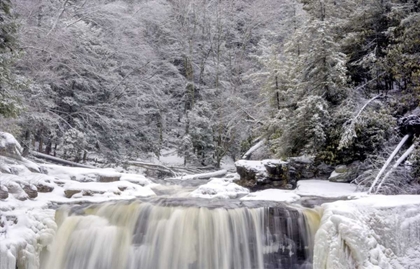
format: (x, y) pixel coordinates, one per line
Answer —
(142, 235)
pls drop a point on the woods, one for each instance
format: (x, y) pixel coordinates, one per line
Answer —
(121, 80)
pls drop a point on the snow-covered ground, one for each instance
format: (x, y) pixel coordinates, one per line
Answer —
(220, 188)
(226, 188)
(362, 231)
(27, 222)
(27, 226)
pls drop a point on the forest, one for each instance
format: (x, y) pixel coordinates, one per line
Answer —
(107, 81)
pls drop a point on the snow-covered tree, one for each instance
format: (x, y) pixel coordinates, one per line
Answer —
(9, 83)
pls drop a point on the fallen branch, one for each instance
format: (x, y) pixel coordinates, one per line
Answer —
(58, 18)
(397, 163)
(349, 132)
(405, 138)
(59, 160)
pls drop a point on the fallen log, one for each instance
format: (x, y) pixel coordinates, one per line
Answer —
(59, 160)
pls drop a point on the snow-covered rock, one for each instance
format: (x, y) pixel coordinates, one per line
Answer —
(220, 188)
(4, 192)
(9, 146)
(264, 174)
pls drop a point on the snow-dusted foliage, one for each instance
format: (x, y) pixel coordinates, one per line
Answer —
(129, 77)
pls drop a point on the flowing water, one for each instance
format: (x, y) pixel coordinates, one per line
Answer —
(182, 233)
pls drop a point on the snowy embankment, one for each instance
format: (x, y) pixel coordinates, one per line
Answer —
(227, 189)
(374, 232)
(27, 191)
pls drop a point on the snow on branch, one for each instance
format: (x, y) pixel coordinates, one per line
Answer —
(397, 163)
(378, 176)
(247, 154)
(349, 126)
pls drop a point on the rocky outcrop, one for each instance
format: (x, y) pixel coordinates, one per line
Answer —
(258, 175)
(345, 173)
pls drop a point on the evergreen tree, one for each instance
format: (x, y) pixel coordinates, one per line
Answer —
(8, 53)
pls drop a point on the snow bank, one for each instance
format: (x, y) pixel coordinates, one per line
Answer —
(220, 188)
(26, 223)
(273, 195)
(320, 188)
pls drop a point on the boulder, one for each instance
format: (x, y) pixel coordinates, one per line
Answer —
(345, 173)
(42, 187)
(31, 191)
(302, 167)
(108, 178)
(4, 193)
(324, 170)
(409, 125)
(17, 191)
(69, 192)
(259, 175)
(341, 169)
(250, 170)
(338, 177)
(9, 146)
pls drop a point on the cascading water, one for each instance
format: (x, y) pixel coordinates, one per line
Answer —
(143, 235)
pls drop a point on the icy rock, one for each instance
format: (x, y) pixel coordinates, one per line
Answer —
(338, 177)
(9, 146)
(44, 187)
(259, 175)
(31, 191)
(222, 188)
(250, 170)
(17, 191)
(69, 192)
(341, 169)
(108, 178)
(4, 194)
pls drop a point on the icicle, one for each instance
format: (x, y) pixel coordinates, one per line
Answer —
(399, 161)
(405, 138)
